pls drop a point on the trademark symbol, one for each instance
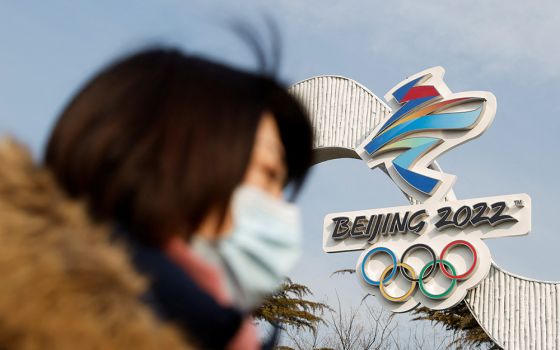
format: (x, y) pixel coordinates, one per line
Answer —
(519, 203)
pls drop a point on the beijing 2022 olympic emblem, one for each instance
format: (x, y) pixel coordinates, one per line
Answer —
(430, 253)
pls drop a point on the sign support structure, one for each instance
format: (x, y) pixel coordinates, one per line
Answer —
(432, 252)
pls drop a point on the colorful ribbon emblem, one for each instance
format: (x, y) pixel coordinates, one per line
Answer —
(427, 121)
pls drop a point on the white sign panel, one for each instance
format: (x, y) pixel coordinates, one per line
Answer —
(428, 254)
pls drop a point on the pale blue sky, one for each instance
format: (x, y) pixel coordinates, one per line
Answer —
(507, 47)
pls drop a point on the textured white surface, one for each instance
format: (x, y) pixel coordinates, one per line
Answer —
(516, 312)
(343, 113)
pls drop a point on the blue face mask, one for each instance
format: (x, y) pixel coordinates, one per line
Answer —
(262, 247)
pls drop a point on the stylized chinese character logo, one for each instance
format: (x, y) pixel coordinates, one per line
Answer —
(428, 120)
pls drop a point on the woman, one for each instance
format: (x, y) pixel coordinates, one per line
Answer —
(184, 162)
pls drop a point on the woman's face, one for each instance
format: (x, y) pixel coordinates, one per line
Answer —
(267, 167)
(266, 170)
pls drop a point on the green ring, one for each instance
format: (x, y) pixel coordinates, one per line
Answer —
(446, 292)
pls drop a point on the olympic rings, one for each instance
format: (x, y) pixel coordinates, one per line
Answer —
(389, 273)
(373, 252)
(406, 295)
(470, 270)
(448, 291)
(410, 250)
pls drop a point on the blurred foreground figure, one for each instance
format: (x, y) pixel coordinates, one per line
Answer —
(157, 219)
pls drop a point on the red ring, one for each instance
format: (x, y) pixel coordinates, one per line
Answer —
(470, 270)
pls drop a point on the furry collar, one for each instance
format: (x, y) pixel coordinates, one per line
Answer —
(63, 285)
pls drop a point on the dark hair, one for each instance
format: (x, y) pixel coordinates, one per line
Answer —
(158, 138)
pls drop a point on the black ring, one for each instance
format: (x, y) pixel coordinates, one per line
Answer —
(410, 250)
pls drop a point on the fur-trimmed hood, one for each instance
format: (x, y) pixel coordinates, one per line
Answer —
(62, 284)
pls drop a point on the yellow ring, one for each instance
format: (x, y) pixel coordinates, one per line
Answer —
(406, 295)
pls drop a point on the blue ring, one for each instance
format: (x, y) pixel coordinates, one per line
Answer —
(372, 252)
